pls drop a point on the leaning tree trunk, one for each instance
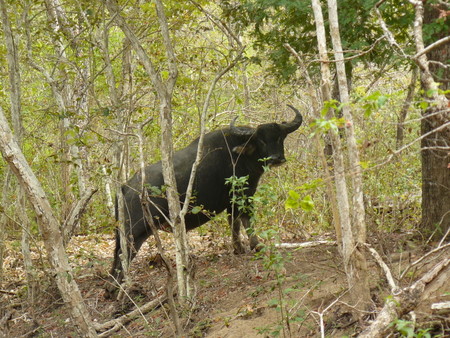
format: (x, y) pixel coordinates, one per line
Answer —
(12, 56)
(49, 228)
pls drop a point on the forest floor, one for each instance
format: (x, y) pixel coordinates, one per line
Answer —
(236, 295)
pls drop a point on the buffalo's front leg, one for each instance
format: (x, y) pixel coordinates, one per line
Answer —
(134, 243)
(235, 224)
(253, 239)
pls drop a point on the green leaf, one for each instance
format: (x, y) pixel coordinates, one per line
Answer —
(424, 105)
(431, 92)
(307, 203)
(293, 194)
(364, 164)
(195, 210)
(292, 200)
(381, 101)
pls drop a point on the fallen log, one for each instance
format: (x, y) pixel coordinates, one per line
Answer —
(403, 301)
(304, 244)
(116, 324)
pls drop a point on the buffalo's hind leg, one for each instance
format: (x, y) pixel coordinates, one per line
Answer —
(235, 224)
(134, 243)
(253, 239)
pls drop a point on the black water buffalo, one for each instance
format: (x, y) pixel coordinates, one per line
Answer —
(234, 151)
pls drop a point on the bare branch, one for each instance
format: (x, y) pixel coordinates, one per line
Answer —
(439, 248)
(202, 129)
(398, 151)
(405, 301)
(387, 33)
(155, 76)
(322, 313)
(171, 59)
(117, 323)
(304, 245)
(432, 46)
(75, 214)
(394, 287)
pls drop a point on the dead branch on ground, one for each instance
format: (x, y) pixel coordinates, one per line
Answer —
(117, 323)
(403, 300)
(304, 245)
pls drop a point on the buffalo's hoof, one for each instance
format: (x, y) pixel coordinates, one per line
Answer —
(238, 249)
(254, 244)
(258, 247)
(110, 292)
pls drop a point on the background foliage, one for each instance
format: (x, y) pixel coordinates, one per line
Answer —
(252, 91)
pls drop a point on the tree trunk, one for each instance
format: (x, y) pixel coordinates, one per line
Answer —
(435, 146)
(357, 270)
(352, 224)
(317, 101)
(3, 219)
(12, 55)
(49, 228)
(164, 91)
(72, 94)
(404, 111)
(340, 183)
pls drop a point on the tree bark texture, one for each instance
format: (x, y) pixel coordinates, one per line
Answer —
(49, 228)
(436, 146)
(326, 96)
(354, 261)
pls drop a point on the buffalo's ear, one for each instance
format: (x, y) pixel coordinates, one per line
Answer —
(245, 149)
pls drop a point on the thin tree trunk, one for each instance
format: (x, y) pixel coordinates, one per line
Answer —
(120, 147)
(316, 101)
(435, 124)
(145, 201)
(49, 228)
(354, 257)
(354, 262)
(164, 93)
(165, 97)
(108, 192)
(341, 186)
(404, 112)
(3, 219)
(73, 95)
(16, 116)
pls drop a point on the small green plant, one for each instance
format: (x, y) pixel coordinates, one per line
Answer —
(274, 261)
(201, 327)
(300, 196)
(238, 188)
(406, 329)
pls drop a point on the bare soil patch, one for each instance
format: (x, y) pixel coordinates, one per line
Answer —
(236, 296)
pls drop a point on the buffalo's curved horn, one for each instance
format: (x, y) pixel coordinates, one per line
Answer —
(240, 131)
(295, 123)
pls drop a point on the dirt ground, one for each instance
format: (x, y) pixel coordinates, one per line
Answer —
(236, 296)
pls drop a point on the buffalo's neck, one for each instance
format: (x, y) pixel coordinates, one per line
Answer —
(254, 169)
